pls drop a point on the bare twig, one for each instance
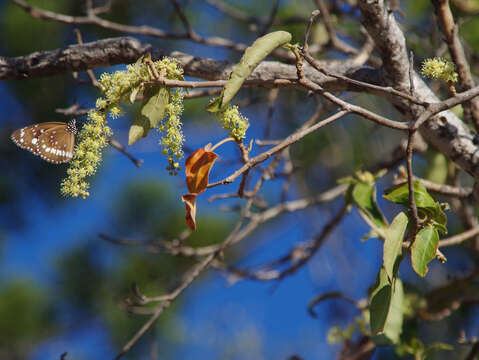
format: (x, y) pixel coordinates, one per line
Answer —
(442, 189)
(298, 256)
(314, 63)
(184, 20)
(410, 182)
(271, 17)
(90, 73)
(287, 142)
(122, 149)
(457, 239)
(245, 17)
(353, 108)
(335, 41)
(311, 21)
(93, 19)
(201, 93)
(74, 110)
(167, 299)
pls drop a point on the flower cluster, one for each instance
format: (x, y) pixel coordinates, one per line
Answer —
(438, 68)
(233, 122)
(117, 87)
(173, 137)
(88, 154)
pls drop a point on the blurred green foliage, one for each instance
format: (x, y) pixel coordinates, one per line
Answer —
(25, 317)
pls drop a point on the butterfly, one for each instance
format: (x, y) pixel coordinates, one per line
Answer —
(52, 141)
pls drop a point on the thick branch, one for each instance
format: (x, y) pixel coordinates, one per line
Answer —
(78, 57)
(445, 131)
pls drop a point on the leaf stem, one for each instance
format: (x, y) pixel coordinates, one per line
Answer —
(221, 143)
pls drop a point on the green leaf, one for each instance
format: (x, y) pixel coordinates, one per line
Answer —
(414, 346)
(400, 195)
(437, 216)
(386, 308)
(393, 244)
(350, 180)
(364, 195)
(215, 104)
(380, 302)
(436, 347)
(372, 234)
(424, 249)
(139, 129)
(251, 58)
(153, 110)
(440, 228)
(155, 105)
(427, 207)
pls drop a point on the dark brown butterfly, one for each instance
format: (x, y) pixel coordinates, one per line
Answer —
(52, 141)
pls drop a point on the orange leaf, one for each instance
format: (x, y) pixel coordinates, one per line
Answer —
(197, 168)
(190, 203)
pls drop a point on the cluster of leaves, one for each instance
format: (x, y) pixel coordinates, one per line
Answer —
(387, 296)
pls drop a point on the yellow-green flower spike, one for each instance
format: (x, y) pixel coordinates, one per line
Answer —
(233, 122)
(173, 138)
(438, 68)
(93, 137)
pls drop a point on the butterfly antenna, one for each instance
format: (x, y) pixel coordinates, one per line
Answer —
(72, 127)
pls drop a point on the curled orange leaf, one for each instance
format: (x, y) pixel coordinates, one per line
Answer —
(197, 168)
(190, 203)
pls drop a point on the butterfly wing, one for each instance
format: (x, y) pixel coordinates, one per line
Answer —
(52, 141)
(56, 144)
(27, 137)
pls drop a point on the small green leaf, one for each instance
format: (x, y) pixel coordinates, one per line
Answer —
(400, 195)
(440, 228)
(350, 180)
(251, 58)
(424, 249)
(393, 244)
(380, 302)
(215, 104)
(436, 216)
(392, 326)
(139, 129)
(372, 234)
(437, 347)
(155, 105)
(152, 112)
(364, 195)
(415, 347)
